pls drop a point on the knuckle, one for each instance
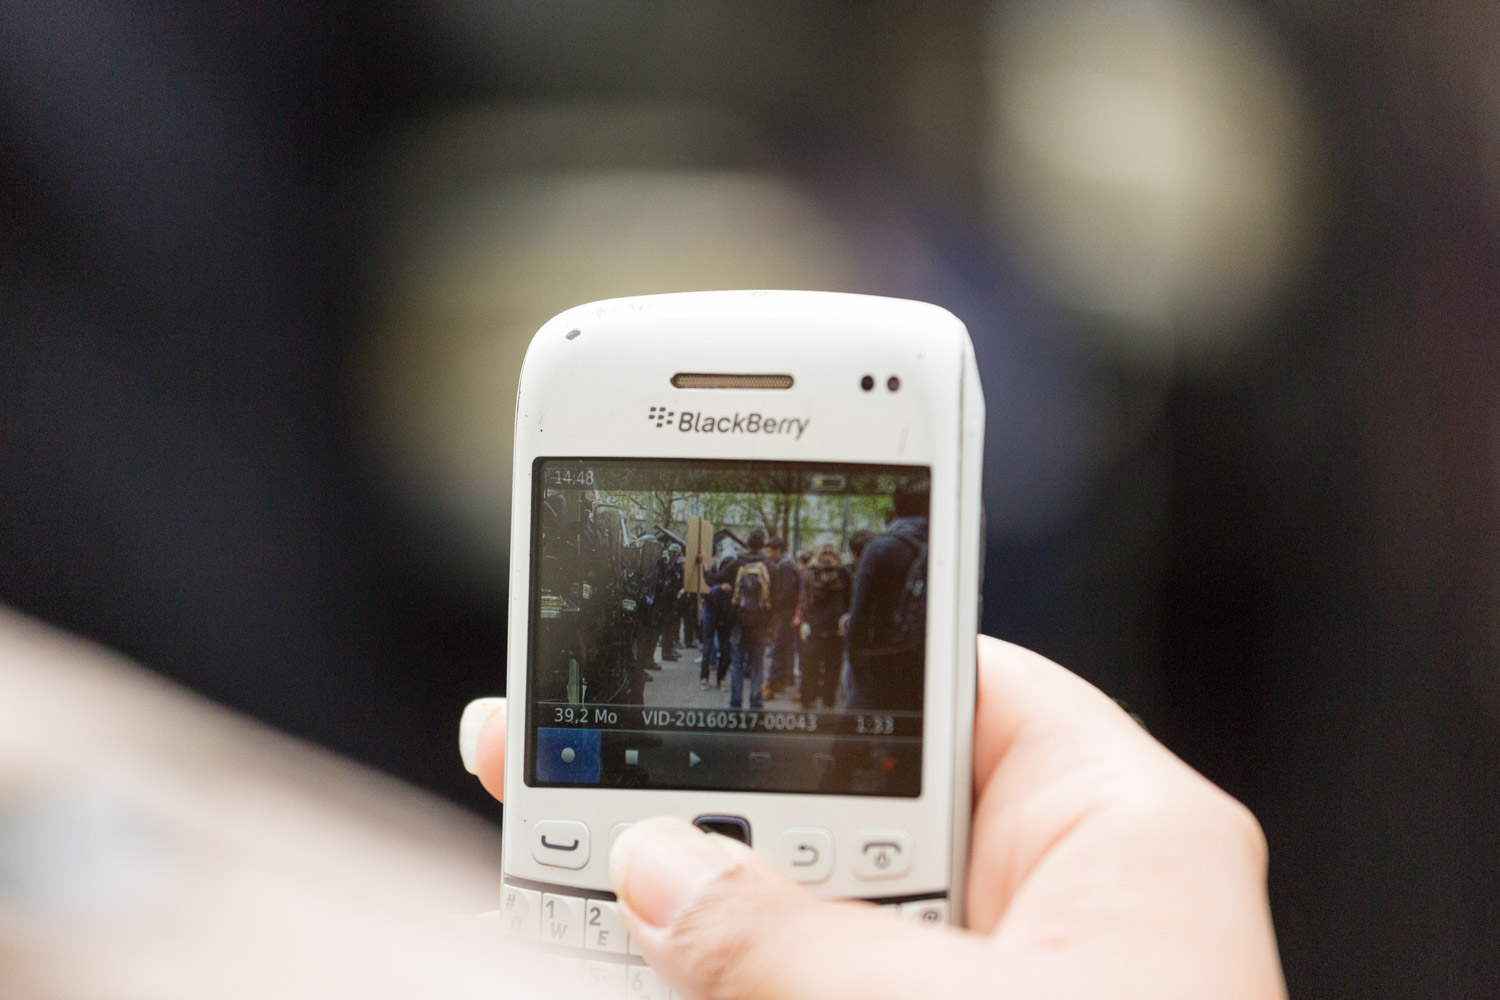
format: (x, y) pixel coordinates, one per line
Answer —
(1231, 824)
(1246, 829)
(1201, 811)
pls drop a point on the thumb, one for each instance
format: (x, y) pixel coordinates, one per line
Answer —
(716, 920)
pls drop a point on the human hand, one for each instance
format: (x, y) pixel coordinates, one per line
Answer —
(1101, 866)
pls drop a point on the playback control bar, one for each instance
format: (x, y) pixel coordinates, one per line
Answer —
(813, 763)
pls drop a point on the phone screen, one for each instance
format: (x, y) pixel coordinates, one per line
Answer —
(727, 625)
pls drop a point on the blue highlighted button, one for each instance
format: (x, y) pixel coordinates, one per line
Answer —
(568, 756)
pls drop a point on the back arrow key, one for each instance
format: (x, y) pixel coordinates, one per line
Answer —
(805, 853)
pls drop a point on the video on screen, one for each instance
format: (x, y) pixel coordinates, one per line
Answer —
(729, 625)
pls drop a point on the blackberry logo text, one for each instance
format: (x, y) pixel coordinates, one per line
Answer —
(690, 422)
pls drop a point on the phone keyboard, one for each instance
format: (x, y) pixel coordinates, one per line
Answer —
(584, 940)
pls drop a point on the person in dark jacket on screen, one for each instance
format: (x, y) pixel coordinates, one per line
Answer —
(826, 589)
(785, 585)
(718, 623)
(885, 656)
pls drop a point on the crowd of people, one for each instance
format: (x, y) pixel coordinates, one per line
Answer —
(840, 632)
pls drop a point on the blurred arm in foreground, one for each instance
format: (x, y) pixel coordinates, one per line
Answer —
(155, 845)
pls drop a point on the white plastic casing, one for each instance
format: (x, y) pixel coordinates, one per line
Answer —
(588, 395)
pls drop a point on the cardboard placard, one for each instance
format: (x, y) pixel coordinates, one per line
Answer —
(700, 538)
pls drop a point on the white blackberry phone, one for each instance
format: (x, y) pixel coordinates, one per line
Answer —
(744, 591)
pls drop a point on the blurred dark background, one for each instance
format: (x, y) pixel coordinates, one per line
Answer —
(1232, 271)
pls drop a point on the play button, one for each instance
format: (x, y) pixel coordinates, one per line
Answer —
(693, 759)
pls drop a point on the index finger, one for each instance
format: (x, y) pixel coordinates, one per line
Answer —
(489, 756)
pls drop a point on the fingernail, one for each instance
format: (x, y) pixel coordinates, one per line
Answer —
(476, 714)
(660, 865)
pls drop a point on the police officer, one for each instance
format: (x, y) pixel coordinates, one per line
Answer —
(668, 594)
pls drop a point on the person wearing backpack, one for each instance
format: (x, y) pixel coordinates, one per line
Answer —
(887, 629)
(747, 577)
(826, 590)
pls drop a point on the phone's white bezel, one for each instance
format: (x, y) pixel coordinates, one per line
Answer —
(588, 395)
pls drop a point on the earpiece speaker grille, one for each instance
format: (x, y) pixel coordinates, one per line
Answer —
(702, 380)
